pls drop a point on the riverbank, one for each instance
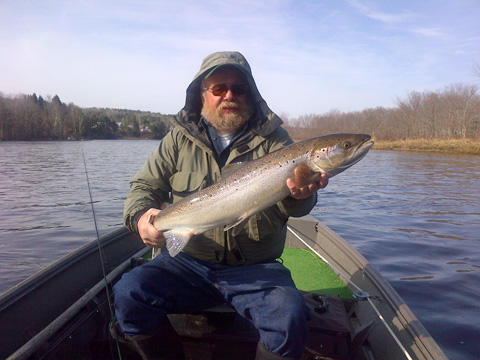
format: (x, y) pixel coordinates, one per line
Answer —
(457, 146)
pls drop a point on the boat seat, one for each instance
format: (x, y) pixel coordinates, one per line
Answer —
(329, 328)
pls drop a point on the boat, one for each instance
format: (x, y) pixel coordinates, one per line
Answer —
(63, 311)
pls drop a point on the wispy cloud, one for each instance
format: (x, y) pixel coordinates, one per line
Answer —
(430, 32)
(385, 17)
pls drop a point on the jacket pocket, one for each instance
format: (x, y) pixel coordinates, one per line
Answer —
(266, 224)
(185, 183)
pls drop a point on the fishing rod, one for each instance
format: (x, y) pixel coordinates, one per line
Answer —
(36, 342)
(102, 256)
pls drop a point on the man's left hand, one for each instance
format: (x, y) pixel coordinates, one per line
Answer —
(308, 190)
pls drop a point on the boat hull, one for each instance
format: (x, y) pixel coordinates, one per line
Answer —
(63, 311)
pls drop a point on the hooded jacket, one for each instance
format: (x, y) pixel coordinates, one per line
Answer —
(186, 162)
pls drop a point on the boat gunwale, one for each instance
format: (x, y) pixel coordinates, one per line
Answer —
(417, 332)
(39, 300)
(35, 281)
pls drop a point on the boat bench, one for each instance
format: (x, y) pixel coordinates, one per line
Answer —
(222, 332)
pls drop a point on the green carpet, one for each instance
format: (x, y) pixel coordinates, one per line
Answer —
(310, 273)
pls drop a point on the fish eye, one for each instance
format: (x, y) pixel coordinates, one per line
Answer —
(347, 145)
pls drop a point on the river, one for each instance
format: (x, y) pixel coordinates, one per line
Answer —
(414, 216)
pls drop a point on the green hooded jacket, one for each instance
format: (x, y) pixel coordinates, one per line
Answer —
(186, 162)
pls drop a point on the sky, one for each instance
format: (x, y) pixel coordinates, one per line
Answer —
(307, 57)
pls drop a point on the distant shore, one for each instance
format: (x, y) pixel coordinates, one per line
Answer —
(454, 146)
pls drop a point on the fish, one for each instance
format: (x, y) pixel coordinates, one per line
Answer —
(253, 186)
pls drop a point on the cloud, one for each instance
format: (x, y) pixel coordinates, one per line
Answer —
(430, 32)
(384, 17)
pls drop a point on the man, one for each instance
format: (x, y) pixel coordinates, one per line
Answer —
(225, 120)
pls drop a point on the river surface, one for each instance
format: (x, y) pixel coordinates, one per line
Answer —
(414, 216)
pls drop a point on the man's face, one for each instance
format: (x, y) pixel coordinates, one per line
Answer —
(227, 112)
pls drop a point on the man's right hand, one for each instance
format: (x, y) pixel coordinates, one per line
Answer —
(149, 234)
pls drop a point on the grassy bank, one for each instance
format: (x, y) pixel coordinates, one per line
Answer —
(456, 146)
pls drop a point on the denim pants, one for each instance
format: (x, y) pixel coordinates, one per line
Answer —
(262, 293)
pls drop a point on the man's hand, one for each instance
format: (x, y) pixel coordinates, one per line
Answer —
(308, 190)
(149, 234)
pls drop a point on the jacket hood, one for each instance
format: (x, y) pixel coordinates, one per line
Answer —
(264, 121)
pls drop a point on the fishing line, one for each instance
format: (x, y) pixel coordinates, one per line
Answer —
(405, 352)
(102, 255)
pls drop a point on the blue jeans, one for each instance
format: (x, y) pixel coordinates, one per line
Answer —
(262, 293)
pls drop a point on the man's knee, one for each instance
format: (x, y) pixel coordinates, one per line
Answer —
(288, 329)
(291, 302)
(124, 289)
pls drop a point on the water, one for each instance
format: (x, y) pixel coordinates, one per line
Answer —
(46, 211)
(415, 216)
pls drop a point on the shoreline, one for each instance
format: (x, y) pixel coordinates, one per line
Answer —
(454, 146)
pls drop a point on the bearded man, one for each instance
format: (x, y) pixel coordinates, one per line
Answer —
(225, 120)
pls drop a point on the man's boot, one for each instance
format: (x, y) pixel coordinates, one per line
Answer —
(163, 344)
(264, 354)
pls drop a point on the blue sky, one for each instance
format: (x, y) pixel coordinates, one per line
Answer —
(307, 56)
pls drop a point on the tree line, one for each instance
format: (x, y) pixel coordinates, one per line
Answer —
(31, 117)
(451, 113)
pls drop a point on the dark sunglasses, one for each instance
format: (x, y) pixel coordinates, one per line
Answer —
(222, 89)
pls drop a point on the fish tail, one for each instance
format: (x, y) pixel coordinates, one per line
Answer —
(176, 241)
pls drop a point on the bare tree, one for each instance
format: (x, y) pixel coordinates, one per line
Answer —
(463, 109)
(476, 69)
(409, 110)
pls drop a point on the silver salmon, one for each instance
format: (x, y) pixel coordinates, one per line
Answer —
(256, 185)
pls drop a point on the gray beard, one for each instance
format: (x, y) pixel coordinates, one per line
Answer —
(228, 123)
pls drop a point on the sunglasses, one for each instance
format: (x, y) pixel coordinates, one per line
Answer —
(222, 89)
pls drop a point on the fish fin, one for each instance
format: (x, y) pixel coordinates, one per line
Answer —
(238, 225)
(229, 169)
(304, 176)
(176, 241)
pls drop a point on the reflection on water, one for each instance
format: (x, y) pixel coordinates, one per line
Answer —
(415, 216)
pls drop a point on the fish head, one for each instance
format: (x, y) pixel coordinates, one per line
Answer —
(333, 154)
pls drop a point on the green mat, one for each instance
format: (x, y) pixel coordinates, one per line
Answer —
(310, 273)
